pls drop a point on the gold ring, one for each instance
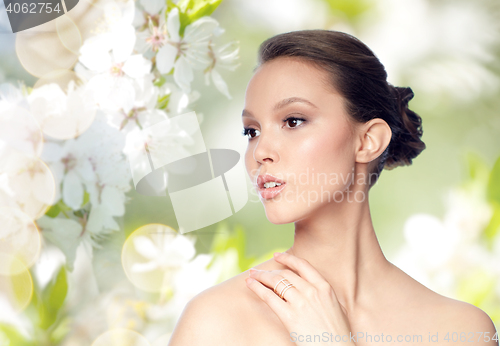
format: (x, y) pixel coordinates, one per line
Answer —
(288, 284)
(282, 296)
(284, 279)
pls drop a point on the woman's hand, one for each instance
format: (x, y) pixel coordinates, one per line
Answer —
(310, 307)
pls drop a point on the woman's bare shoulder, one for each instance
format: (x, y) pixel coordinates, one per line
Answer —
(215, 316)
(446, 315)
(463, 323)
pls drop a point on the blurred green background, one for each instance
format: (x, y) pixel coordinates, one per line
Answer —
(447, 51)
(459, 105)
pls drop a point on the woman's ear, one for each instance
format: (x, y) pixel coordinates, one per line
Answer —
(375, 136)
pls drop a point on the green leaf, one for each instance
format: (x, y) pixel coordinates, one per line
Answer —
(86, 198)
(63, 206)
(477, 166)
(53, 297)
(11, 337)
(202, 8)
(62, 329)
(33, 310)
(59, 207)
(53, 211)
(163, 101)
(184, 5)
(185, 21)
(236, 239)
(493, 226)
(494, 184)
(160, 81)
(56, 292)
(79, 213)
(476, 287)
(352, 9)
(192, 10)
(183, 17)
(50, 301)
(244, 261)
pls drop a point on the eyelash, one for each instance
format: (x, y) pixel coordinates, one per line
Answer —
(246, 130)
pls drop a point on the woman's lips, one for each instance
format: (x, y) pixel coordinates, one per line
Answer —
(271, 191)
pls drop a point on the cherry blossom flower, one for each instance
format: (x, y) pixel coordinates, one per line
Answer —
(109, 57)
(179, 102)
(144, 112)
(186, 53)
(438, 252)
(153, 37)
(224, 57)
(116, 88)
(18, 127)
(61, 115)
(163, 251)
(114, 40)
(25, 182)
(93, 162)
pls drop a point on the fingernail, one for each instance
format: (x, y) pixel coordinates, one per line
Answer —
(249, 280)
(253, 271)
(277, 254)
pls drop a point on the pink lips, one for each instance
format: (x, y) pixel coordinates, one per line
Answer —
(270, 192)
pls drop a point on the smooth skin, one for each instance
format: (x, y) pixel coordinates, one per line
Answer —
(343, 282)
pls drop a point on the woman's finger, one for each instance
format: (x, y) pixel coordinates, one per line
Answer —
(275, 280)
(301, 266)
(278, 305)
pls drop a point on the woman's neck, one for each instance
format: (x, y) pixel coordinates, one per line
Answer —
(341, 244)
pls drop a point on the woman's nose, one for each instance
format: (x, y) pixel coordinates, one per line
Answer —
(265, 150)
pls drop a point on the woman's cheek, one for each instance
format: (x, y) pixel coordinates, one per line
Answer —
(327, 163)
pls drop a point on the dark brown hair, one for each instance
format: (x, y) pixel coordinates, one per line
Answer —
(357, 74)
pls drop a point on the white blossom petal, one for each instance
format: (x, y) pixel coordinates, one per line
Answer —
(114, 200)
(85, 170)
(137, 66)
(153, 6)
(165, 58)
(113, 93)
(123, 43)
(200, 30)
(219, 83)
(145, 246)
(183, 74)
(128, 11)
(181, 248)
(173, 25)
(94, 53)
(101, 221)
(144, 267)
(72, 190)
(64, 233)
(52, 152)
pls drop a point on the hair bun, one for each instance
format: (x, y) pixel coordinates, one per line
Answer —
(405, 94)
(406, 142)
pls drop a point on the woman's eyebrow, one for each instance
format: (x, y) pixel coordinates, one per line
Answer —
(289, 100)
(282, 104)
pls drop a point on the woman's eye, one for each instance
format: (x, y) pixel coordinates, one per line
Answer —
(249, 131)
(292, 121)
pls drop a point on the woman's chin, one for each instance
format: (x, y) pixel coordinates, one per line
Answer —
(280, 216)
(276, 221)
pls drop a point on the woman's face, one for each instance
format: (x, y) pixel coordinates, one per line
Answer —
(298, 132)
